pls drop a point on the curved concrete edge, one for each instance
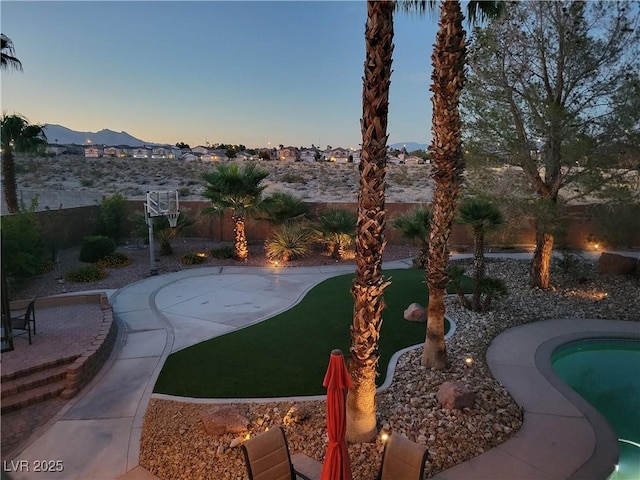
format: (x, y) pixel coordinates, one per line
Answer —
(562, 436)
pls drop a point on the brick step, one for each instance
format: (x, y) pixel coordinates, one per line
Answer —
(33, 380)
(32, 396)
(38, 368)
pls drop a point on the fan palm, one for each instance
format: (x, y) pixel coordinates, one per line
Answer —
(482, 216)
(369, 283)
(7, 58)
(235, 187)
(282, 207)
(18, 135)
(448, 58)
(415, 225)
(337, 228)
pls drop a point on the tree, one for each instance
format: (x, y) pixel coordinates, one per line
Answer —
(553, 90)
(415, 225)
(337, 227)
(237, 188)
(369, 283)
(448, 58)
(18, 135)
(482, 216)
(282, 207)
(7, 58)
(182, 145)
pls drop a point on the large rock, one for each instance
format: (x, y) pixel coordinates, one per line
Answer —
(221, 420)
(614, 264)
(455, 395)
(415, 313)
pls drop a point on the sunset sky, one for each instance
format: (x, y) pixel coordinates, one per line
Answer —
(237, 72)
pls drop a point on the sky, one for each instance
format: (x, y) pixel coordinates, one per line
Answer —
(256, 73)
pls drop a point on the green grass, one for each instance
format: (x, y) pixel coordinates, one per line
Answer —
(288, 354)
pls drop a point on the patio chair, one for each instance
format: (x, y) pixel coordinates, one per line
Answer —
(24, 320)
(267, 458)
(403, 459)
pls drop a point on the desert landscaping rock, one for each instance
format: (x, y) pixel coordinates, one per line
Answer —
(456, 395)
(415, 313)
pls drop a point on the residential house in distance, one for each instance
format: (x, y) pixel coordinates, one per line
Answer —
(245, 157)
(200, 149)
(160, 152)
(92, 151)
(189, 157)
(55, 149)
(141, 152)
(288, 154)
(339, 155)
(310, 155)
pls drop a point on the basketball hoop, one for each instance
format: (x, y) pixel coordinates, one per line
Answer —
(173, 218)
(160, 204)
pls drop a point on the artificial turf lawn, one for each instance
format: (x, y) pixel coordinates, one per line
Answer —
(288, 354)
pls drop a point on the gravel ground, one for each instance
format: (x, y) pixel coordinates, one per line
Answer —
(175, 445)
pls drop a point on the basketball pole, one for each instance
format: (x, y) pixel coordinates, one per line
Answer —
(152, 254)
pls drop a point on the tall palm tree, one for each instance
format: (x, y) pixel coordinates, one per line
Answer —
(369, 283)
(482, 216)
(7, 58)
(18, 135)
(448, 58)
(237, 188)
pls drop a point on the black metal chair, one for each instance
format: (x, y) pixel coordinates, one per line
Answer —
(23, 321)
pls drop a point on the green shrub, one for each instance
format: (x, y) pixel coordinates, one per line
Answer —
(193, 258)
(96, 247)
(88, 274)
(222, 252)
(110, 222)
(289, 241)
(22, 247)
(114, 260)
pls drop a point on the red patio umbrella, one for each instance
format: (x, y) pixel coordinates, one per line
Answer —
(337, 380)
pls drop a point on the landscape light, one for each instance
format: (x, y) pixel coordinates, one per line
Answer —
(468, 361)
(384, 436)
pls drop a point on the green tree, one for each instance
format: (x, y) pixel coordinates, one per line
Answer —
(414, 225)
(18, 135)
(282, 207)
(113, 213)
(182, 145)
(482, 216)
(554, 92)
(235, 187)
(8, 60)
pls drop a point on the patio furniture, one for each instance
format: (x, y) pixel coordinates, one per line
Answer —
(403, 459)
(22, 321)
(267, 458)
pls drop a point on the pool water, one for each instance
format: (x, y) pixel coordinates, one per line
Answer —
(606, 373)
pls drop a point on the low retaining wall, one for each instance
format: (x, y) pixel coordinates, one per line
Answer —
(84, 368)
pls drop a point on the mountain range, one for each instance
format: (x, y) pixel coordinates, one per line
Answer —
(65, 136)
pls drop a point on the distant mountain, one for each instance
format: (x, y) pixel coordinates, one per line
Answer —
(411, 146)
(63, 136)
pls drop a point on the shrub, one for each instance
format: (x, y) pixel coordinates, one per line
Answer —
(222, 252)
(184, 191)
(289, 241)
(193, 258)
(114, 260)
(110, 222)
(22, 246)
(88, 274)
(337, 228)
(96, 247)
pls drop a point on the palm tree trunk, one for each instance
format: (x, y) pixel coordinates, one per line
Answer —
(9, 179)
(240, 248)
(478, 268)
(542, 258)
(446, 149)
(369, 283)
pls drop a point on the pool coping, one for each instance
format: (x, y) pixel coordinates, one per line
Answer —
(562, 436)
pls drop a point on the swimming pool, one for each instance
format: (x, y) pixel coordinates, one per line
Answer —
(606, 373)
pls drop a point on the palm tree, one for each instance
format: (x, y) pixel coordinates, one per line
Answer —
(369, 283)
(18, 135)
(448, 58)
(282, 207)
(482, 216)
(238, 189)
(7, 58)
(415, 225)
(337, 228)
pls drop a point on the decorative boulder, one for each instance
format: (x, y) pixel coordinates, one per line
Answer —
(221, 420)
(614, 264)
(295, 414)
(455, 395)
(415, 313)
